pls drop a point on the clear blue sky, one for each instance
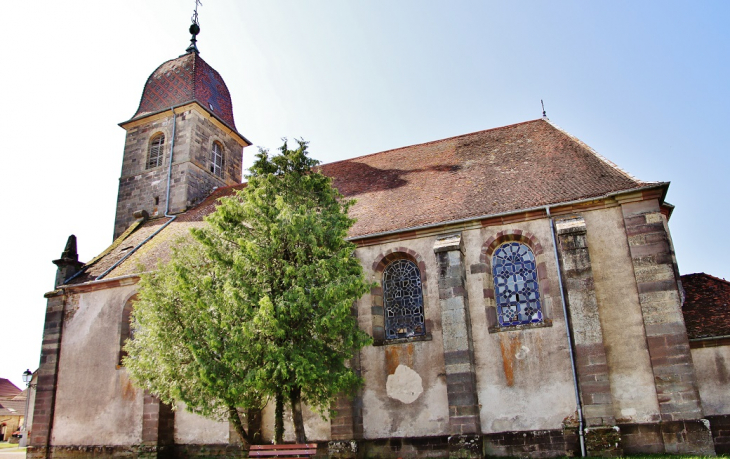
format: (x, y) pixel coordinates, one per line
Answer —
(644, 83)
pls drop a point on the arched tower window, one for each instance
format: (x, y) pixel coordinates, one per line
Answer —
(156, 153)
(516, 290)
(403, 300)
(216, 159)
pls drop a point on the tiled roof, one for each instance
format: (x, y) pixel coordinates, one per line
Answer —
(8, 389)
(515, 167)
(511, 168)
(185, 79)
(12, 407)
(706, 306)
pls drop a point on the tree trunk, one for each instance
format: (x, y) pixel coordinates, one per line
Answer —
(235, 418)
(279, 419)
(296, 411)
(254, 426)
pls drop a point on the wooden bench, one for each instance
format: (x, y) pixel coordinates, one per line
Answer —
(284, 451)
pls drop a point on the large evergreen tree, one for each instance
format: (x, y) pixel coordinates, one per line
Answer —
(258, 306)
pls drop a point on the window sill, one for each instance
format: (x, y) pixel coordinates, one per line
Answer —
(497, 329)
(426, 337)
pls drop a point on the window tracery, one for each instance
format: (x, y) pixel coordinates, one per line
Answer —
(403, 300)
(516, 289)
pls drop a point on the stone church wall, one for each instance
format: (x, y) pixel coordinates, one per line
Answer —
(505, 391)
(519, 370)
(712, 365)
(630, 372)
(192, 429)
(405, 384)
(96, 403)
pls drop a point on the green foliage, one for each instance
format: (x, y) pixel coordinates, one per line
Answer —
(259, 302)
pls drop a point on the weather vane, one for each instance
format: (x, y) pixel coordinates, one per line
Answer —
(544, 115)
(194, 30)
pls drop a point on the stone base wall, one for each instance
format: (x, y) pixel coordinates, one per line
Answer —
(641, 438)
(677, 437)
(693, 437)
(100, 452)
(404, 447)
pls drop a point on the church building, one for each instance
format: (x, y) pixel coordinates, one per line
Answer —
(527, 299)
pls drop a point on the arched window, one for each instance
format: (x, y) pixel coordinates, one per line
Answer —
(403, 300)
(515, 285)
(216, 159)
(125, 327)
(156, 153)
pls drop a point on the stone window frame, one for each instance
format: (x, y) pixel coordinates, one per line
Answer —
(160, 157)
(212, 164)
(485, 267)
(125, 327)
(376, 293)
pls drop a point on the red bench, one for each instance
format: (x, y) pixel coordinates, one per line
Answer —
(284, 451)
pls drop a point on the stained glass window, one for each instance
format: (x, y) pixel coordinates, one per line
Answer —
(156, 153)
(403, 300)
(515, 285)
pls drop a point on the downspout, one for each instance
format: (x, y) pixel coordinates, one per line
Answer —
(569, 333)
(167, 205)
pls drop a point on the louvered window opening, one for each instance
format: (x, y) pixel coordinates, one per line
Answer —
(403, 300)
(515, 285)
(154, 159)
(216, 159)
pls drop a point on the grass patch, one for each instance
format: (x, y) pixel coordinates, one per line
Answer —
(6, 445)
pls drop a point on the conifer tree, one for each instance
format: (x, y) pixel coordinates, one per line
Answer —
(258, 306)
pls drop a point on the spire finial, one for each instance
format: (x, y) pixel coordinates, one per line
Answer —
(544, 115)
(194, 30)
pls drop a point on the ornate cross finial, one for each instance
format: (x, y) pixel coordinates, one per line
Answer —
(194, 30)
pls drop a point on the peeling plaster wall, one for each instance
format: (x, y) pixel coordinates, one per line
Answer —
(96, 403)
(630, 372)
(712, 366)
(395, 404)
(192, 429)
(523, 376)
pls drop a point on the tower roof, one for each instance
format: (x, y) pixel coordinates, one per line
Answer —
(186, 79)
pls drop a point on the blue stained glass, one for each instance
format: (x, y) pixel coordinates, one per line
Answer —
(515, 283)
(403, 300)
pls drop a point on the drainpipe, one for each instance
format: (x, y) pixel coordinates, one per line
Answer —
(569, 334)
(169, 167)
(167, 205)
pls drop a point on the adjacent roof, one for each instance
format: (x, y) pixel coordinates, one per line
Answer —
(706, 306)
(511, 168)
(12, 407)
(186, 79)
(8, 389)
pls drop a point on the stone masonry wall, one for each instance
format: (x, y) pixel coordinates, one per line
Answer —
(458, 348)
(45, 399)
(674, 373)
(191, 179)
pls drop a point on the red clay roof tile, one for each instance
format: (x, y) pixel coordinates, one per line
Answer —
(185, 79)
(511, 168)
(706, 306)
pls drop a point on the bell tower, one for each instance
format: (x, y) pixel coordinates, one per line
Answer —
(181, 143)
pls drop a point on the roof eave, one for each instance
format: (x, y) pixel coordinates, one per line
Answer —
(242, 140)
(658, 185)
